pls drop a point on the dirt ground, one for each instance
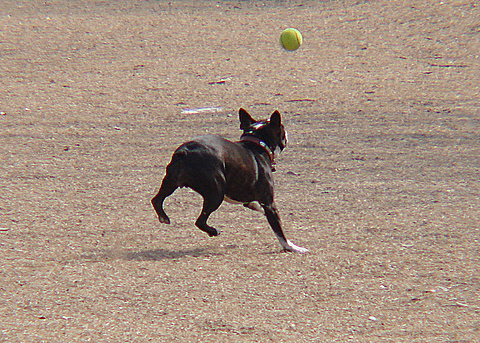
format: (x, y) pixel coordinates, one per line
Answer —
(380, 181)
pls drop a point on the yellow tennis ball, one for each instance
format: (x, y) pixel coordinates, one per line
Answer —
(291, 39)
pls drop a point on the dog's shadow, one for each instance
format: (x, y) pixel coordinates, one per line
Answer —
(162, 254)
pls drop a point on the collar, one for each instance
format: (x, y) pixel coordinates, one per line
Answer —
(262, 144)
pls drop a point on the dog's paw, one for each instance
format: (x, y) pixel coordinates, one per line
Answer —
(294, 248)
(164, 220)
(213, 232)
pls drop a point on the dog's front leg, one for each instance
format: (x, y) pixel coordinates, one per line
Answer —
(273, 218)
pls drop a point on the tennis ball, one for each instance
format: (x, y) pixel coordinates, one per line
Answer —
(291, 39)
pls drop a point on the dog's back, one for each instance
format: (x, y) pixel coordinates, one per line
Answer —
(210, 156)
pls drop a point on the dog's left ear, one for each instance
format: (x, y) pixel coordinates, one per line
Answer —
(275, 119)
(245, 119)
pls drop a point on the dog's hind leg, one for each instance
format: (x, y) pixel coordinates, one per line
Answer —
(213, 191)
(273, 218)
(210, 203)
(167, 188)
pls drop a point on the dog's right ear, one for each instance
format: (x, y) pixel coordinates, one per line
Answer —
(276, 119)
(245, 119)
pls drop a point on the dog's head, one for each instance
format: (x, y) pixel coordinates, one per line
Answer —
(269, 131)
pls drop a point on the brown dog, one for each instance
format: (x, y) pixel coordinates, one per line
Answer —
(239, 172)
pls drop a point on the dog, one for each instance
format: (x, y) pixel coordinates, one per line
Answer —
(238, 172)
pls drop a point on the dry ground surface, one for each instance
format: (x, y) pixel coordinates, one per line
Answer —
(380, 180)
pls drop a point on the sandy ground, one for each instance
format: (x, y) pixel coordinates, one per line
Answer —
(380, 180)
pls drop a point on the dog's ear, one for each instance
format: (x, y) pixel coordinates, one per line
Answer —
(245, 119)
(276, 119)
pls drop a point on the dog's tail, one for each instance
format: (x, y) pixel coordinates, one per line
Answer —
(193, 163)
(180, 167)
(176, 168)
